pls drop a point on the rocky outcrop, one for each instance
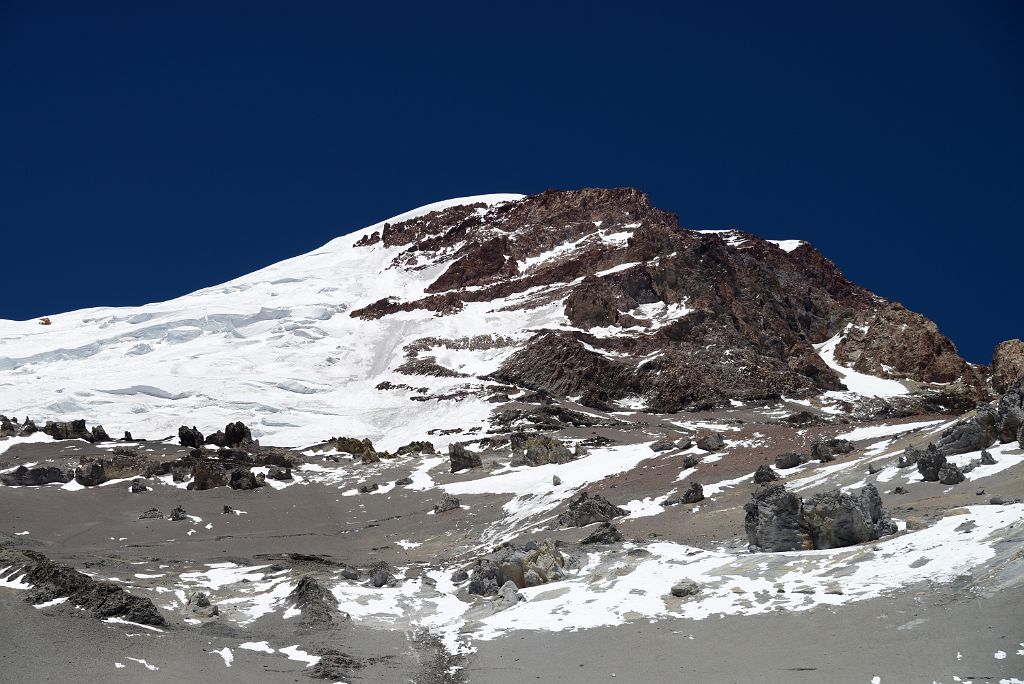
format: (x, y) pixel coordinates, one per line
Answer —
(36, 477)
(604, 534)
(243, 478)
(1010, 412)
(446, 503)
(778, 520)
(72, 429)
(190, 437)
(461, 458)
(317, 605)
(929, 462)
(586, 509)
(10, 427)
(1007, 364)
(50, 580)
(234, 436)
(529, 565)
(788, 460)
(90, 474)
(979, 432)
(198, 605)
(207, 475)
(764, 474)
(950, 474)
(537, 450)
(827, 450)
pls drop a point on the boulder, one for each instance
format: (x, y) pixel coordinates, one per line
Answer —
(243, 478)
(72, 429)
(446, 503)
(827, 450)
(317, 605)
(137, 487)
(461, 458)
(929, 462)
(367, 488)
(685, 588)
(540, 450)
(773, 519)
(279, 474)
(556, 481)
(764, 473)
(198, 604)
(788, 460)
(416, 448)
(90, 474)
(586, 509)
(835, 519)
(949, 474)
(380, 575)
(690, 461)
(909, 457)
(663, 445)
(238, 435)
(694, 494)
(402, 482)
(178, 513)
(604, 534)
(975, 434)
(508, 595)
(207, 475)
(986, 458)
(350, 573)
(190, 437)
(525, 566)
(684, 443)
(710, 441)
(99, 434)
(227, 510)
(459, 576)
(35, 477)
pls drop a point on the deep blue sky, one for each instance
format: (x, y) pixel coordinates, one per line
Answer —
(148, 151)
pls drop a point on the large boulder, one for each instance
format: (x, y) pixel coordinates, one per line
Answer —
(835, 519)
(1007, 364)
(586, 509)
(190, 437)
(929, 463)
(446, 503)
(72, 429)
(975, 434)
(99, 434)
(604, 534)
(540, 450)
(694, 494)
(787, 460)
(827, 450)
(235, 436)
(773, 519)
(316, 604)
(461, 458)
(950, 474)
(764, 473)
(381, 576)
(243, 478)
(90, 474)
(35, 477)
(710, 441)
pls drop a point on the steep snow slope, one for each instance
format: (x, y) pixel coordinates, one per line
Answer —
(276, 348)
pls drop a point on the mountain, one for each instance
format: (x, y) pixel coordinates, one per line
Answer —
(422, 323)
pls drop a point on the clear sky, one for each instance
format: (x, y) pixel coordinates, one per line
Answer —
(150, 149)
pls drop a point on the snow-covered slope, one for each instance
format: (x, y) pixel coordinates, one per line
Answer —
(276, 348)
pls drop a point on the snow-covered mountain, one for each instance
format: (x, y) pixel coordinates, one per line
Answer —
(420, 324)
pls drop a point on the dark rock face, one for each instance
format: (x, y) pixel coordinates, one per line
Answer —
(835, 519)
(929, 462)
(604, 534)
(35, 477)
(1010, 412)
(243, 478)
(529, 565)
(73, 429)
(52, 580)
(234, 436)
(949, 474)
(446, 503)
(540, 450)
(773, 519)
(788, 460)
(318, 605)
(778, 520)
(190, 437)
(1007, 364)
(461, 458)
(980, 432)
(90, 474)
(828, 450)
(586, 509)
(764, 473)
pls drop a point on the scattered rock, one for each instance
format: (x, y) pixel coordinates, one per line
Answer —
(461, 458)
(556, 481)
(178, 513)
(694, 494)
(949, 474)
(350, 573)
(243, 478)
(986, 458)
(151, 513)
(710, 441)
(997, 501)
(662, 445)
(684, 443)
(764, 473)
(690, 461)
(586, 509)
(137, 487)
(604, 534)
(227, 510)
(685, 588)
(403, 481)
(447, 503)
(459, 576)
(367, 488)
(526, 566)
(279, 474)
(899, 490)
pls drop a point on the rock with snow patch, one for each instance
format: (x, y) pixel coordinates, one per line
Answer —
(685, 588)
(243, 478)
(199, 605)
(178, 513)
(694, 494)
(461, 458)
(979, 432)
(316, 604)
(986, 458)
(774, 519)
(380, 575)
(586, 509)
(836, 519)
(90, 474)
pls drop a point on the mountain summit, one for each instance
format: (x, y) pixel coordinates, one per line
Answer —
(422, 323)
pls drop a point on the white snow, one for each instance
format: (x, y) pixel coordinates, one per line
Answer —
(876, 431)
(259, 646)
(226, 654)
(858, 383)
(296, 653)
